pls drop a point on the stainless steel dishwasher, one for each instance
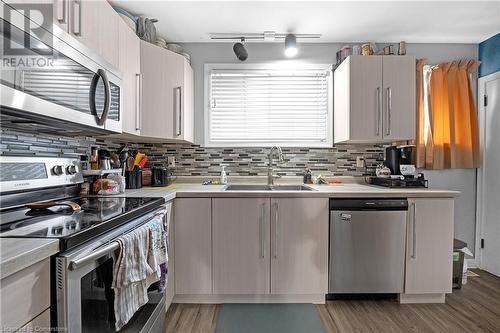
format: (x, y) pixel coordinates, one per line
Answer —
(367, 245)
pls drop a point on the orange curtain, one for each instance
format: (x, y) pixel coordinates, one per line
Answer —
(447, 132)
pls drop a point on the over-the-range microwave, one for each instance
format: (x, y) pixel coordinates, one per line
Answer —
(51, 82)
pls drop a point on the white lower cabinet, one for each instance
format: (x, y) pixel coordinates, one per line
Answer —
(193, 246)
(25, 296)
(241, 245)
(299, 245)
(270, 246)
(429, 255)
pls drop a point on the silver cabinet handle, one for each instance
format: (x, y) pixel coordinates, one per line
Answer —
(178, 110)
(261, 231)
(138, 100)
(77, 19)
(276, 230)
(377, 124)
(414, 232)
(61, 10)
(389, 110)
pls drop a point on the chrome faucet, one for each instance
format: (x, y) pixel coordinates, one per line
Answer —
(270, 177)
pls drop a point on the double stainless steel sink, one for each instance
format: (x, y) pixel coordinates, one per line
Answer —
(268, 188)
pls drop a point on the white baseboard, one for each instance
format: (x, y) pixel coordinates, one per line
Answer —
(421, 298)
(220, 299)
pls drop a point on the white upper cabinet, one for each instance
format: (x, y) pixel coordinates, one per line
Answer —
(399, 104)
(374, 99)
(93, 23)
(167, 101)
(130, 66)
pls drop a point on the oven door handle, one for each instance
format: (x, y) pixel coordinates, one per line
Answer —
(102, 251)
(74, 264)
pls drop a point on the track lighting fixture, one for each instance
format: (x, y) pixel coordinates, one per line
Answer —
(268, 36)
(290, 45)
(240, 50)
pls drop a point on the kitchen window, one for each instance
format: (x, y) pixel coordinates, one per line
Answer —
(263, 106)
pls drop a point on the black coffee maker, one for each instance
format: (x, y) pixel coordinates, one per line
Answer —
(401, 161)
(395, 156)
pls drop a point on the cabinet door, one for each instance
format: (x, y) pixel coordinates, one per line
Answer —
(155, 103)
(84, 22)
(429, 255)
(174, 92)
(357, 100)
(129, 65)
(240, 245)
(163, 76)
(399, 98)
(95, 24)
(108, 23)
(188, 104)
(61, 14)
(299, 245)
(170, 288)
(193, 246)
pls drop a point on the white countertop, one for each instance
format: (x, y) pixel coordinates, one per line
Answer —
(19, 253)
(344, 190)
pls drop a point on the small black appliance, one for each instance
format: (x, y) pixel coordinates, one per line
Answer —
(160, 176)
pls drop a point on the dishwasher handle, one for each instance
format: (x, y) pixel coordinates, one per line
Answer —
(370, 204)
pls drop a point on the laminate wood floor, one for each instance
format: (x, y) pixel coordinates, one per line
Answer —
(474, 308)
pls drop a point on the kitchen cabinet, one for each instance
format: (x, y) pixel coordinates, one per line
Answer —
(92, 23)
(129, 64)
(167, 102)
(25, 295)
(374, 99)
(241, 245)
(270, 246)
(193, 246)
(170, 288)
(61, 14)
(429, 255)
(299, 245)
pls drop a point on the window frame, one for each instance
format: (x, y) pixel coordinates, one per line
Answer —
(208, 68)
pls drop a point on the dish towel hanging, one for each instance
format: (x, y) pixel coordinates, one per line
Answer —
(132, 269)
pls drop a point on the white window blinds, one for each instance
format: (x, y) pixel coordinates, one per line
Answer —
(255, 107)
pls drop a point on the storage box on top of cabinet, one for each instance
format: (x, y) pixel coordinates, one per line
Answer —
(374, 99)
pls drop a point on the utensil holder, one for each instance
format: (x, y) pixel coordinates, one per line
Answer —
(133, 179)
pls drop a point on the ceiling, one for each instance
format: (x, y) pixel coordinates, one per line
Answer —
(337, 21)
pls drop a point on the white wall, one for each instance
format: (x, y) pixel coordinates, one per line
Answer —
(460, 180)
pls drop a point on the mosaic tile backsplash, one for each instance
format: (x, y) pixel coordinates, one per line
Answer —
(192, 160)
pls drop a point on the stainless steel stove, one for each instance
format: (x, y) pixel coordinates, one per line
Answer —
(82, 298)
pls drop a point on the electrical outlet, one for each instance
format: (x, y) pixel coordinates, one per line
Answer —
(360, 161)
(171, 161)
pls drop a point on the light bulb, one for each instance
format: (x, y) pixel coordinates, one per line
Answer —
(290, 45)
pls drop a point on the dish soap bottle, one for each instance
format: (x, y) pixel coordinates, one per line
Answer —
(223, 175)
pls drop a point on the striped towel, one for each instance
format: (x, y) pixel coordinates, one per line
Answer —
(158, 249)
(133, 267)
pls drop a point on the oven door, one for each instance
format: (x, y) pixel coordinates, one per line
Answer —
(54, 78)
(85, 299)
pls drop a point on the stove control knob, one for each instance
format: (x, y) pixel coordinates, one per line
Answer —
(57, 170)
(71, 169)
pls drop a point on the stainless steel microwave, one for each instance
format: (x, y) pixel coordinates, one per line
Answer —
(59, 84)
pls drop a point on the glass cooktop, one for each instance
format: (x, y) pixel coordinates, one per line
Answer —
(98, 215)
